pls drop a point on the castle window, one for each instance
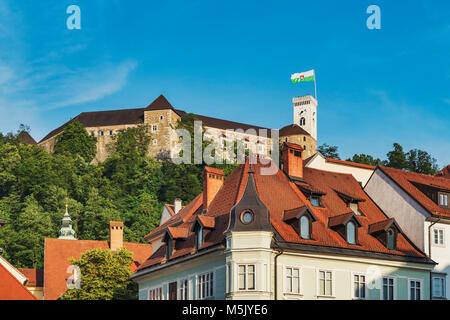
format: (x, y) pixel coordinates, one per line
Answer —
(110, 132)
(102, 133)
(155, 142)
(304, 147)
(161, 117)
(304, 138)
(154, 128)
(302, 121)
(92, 133)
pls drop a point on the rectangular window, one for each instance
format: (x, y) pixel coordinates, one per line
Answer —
(110, 132)
(184, 290)
(438, 287)
(205, 285)
(388, 288)
(415, 290)
(102, 133)
(292, 280)
(438, 237)
(246, 276)
(359, 286)
(443, 199)
(325, 283)
(155, 294)
(154, 128)
(315, 201)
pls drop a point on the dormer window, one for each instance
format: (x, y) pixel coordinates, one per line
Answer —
(443, 200)
(386, 232)
(354, 207)
(351, 233)
(315, 201)
(391, 239)
(346, 225)
(169, 248)
(199, 237)
(300, 219)
(305, 227)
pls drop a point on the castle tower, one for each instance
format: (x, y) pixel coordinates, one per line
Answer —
(66, 231)
(305, 114)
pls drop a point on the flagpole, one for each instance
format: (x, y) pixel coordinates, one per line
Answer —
(315, 87)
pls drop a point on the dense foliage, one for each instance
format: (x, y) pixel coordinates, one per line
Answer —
(414, 160)
(104, 276)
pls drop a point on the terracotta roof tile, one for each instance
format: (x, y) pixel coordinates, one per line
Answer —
(35, 277)
(59, 251)
(406, 180)
(292, 129)
(350, 163)
(280, 195)
(11, 288)
(444, 173)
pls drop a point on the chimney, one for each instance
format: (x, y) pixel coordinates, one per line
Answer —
(212, 181)
(292, 160)
(177, 205)
(115, 235)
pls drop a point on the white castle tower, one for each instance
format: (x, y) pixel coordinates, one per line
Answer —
(305, 114)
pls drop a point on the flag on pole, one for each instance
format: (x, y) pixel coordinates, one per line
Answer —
(303, 76)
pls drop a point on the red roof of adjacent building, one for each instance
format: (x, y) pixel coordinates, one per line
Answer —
(59, 251)
(407, 179)
(444, 173)
(11, 288)
(352, 164)
(279, 194)
(35, 277)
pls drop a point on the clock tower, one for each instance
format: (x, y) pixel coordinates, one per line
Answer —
(305, 114)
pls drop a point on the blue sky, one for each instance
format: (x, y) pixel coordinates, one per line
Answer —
(233, 60)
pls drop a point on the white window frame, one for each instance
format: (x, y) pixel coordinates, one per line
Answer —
(409, 287)
(300, 282)
(394, 288)
(181, 289)
(332, 295)
(198, 285)
(441, 277)
(155, 288)
(353, 285)
(438, 230)
(246, 265)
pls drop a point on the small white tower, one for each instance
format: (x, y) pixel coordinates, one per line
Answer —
(305, 114)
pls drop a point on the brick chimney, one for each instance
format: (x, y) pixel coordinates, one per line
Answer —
(212, 181)
(115, 235)
(292, 160)
(177, 205)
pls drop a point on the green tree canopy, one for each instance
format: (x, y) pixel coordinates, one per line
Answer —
(366, 159)
(104, 276)
(329, 151)
(75, 140)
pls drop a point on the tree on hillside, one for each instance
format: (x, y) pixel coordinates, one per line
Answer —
(365, 159)
(421, 162)
(104, 276)
(75, 140)
(396, 158)
(329, 151)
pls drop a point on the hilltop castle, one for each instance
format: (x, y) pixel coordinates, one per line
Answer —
(162, 117)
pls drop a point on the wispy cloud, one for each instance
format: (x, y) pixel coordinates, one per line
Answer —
(31, 86)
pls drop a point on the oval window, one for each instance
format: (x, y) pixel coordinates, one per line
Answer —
(247, 217)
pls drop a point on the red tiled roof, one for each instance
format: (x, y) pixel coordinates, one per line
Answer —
(381, 226)
(214, 170)
(35, 277)
(207, 222)
(293, 146)
(11, 288)
(444, 173)
(59, 251)
(280, 195)
(405, 180)
(178, 232)
(353, 164)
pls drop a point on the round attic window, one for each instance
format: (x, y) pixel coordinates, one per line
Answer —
(247, 217)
